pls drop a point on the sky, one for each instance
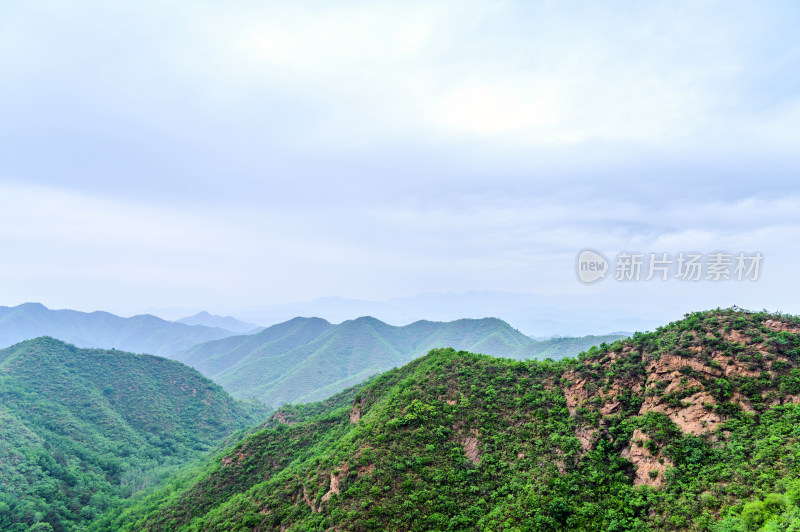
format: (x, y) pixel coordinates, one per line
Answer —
(173, 156)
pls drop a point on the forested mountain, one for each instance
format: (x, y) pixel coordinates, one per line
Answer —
(138, 334)
(304, 359)
(307, 359)
(228, 323)
(691, 427)
(561, 347)
(80, 429)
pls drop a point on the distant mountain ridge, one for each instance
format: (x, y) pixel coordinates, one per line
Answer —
(139, 334)
(534, 315)
(309, 359)
(228, 323)
(301, 360)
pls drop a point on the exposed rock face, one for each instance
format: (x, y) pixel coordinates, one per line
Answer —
(310, 502)
(586, 436)
(669, 364)
(668, 373)
(576, 394)
(229, 460)
(366, 470)
(649, 468)
(355, 413)
(470, 444)
(282, 418)
(682, 382)
(693, 418)
(777, 325)
(336, 481)
(334, 488)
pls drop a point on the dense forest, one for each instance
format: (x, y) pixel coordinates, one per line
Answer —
(81, 430)
(691, 427)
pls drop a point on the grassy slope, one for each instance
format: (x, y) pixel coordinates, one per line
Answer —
(456, 441)
(83, 427)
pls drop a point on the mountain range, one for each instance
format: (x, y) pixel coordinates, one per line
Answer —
(301, 360)
(535, 315)
(82, 429)
(138, 334)
(308, 359)
(229, 323)
(690, 427)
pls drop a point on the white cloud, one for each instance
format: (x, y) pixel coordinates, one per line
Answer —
(361, 75)
(47, 216)
(384, 148)
(544, 76)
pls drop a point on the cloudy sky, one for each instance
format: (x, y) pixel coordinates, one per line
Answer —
(176, 154)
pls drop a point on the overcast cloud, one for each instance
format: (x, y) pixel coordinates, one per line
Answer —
(199, 154)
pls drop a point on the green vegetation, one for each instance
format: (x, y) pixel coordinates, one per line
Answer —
(563, 347)
(776, 512)
(308, 359)
(83, 429)
(692, 427)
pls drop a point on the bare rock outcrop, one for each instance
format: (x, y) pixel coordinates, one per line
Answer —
(355, 413)
(310, 502)
(650, 468)
(470, 443)
(336, 481)
(779, 326)
(283, 418)
(682, 382)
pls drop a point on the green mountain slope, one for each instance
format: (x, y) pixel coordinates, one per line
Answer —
(213, 358)
(692, 427)
(138, 334)
(82, 428)
(308, 359)
(558, 348)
